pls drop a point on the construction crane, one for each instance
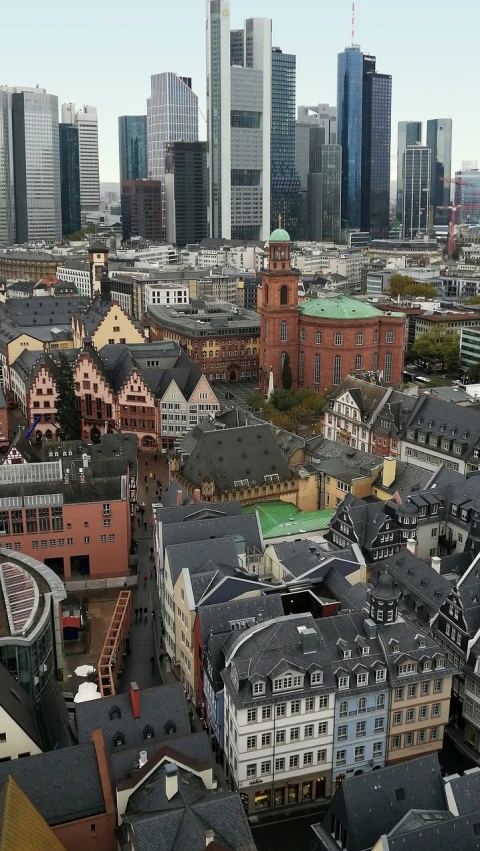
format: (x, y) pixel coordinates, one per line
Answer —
(36, 422)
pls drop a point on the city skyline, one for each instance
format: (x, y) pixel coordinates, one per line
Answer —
(417, 93)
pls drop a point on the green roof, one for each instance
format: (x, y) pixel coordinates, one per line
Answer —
(279, 235)
(279, 519)
(340, 307)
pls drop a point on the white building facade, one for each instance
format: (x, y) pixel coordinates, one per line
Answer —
(86, 122)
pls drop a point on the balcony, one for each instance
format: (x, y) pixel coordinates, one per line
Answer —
(448, 543)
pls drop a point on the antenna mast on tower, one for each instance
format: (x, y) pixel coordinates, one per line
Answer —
(353, 24)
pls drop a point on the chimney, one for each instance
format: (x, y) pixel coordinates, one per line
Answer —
(143, 758)
(135, 699)
(389, 471)
(209, 835)
(179, 498)
(82, 475)
(67, 476)
(436, 563)
(412, 546)
(85, 460)
(308, 639)
(171, 780)
(197, 495)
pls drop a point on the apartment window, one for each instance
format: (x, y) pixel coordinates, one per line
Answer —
(308, 758)
(323, 701)
(106, 521)
(410, 716)
(389, 337)
(342, 732)
(265, 767)
(310, 704)
(435, 710)
(359, 753)
(258, 688)
(343, 682)
(295, 734)
(266, 713)
(308, 733)
(280, 737)
(358, 362)
(322, 755)
(322, 728)
(343, 710)
(381, 701)
(377, 749)
(295, 707)
(251, 716)
(379, 725)
(252, 769)
(359, 339)
(395, 742)
(422, 713)
(412, 690)
(69, 542)
(437, 685)
(281, 710)
(424, 688)
(407, 668)
(397, 717)
(111, 538)
(433, 733)
(341, 757)
(293, 762)
(86, 540)
(361, 728)
(408, 740)
(266, 740)
(103, 539)
(318, 338)
(362, 679)
(251, 743)
(338, 339)
(280, 764)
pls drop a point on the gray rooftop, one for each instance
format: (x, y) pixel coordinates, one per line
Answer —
(206, 319)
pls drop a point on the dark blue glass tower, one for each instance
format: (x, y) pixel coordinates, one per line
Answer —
(69, 179)
(376, 132)
(349, 120)
(285, 181)
(132, 139)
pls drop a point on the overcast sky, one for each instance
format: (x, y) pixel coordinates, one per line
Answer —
(104, 53)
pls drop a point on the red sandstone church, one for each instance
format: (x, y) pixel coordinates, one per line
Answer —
(326, 338)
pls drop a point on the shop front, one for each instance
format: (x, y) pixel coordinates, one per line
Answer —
(289, 794)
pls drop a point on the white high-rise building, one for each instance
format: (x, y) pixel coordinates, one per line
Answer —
(239, 109)
(86, 122)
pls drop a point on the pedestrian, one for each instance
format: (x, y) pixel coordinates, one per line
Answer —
(145, 523)
(161, 659)
(153, 614)
(145, 577)
(146, 462)
(145, 612)
(142, 511)
(146, 488)
(152, 662)
(154, 477)
(136, 614)
(146, 477)
(139, 522)
(155, 457)
(151, 551)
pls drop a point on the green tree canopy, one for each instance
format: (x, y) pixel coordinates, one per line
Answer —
(68, 413)
(404, 285)
(475, 299)
(439, 344)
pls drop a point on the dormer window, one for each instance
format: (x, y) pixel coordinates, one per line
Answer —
(343, 682)
(115, 713)
(362, 679)
(118, 740)
(422, 641)
(439, 662)
(316, 678)
(148, 732)
(365, 651)
(427, 665)
(347, 654)
(258, 688)
(381, 675)
(407, 668)
(288, 681)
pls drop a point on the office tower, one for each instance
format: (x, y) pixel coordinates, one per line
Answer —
(416, 190)
(324, 116)
(132, 142)
(467, 193)
(409, 133)
(331, 163)
(86, 122)
(172, 116)
(285, 182)
(239, 105)
(186, 192)
(36, 157)
(7, 191)
(349, 133)
(376, 131)
(70, 179)
(141, 204)
(439, 140)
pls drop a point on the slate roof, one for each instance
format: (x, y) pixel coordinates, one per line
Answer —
(158, 705)
(418, 579)
(216, 619)
(194, 746)
(466, 791)
(345, 630)
(169, 497)
(248, 452)
(25, 448)
(408, 477)
(373, 803)
(18, 705)
(335, 458)
(195, 555)
(45, 777)
(180, 823)
(197, 511)
(402, 640)
(439, 413)
(367, 396)
(93, 314)
(48, 311)
(218, 527)
(441, 834)
(350, 597)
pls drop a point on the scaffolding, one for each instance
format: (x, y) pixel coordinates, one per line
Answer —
(111, 656)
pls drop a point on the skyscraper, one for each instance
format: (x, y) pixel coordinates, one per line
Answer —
(439, 140)
(285, 182)
(467, 193)
(36, 157)
(349, 135)
(172, 116)
(376, 131)
(7, 191)
(324, 116)
(186, 192)
(331, 159)
(132, 142)
(409, 133)
(416, 190)
(86, 122)
(239, 104)
(141, 202)
(70, 179)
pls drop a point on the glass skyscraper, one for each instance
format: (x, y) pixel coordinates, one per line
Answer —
(409, 133)
(70, 179)
(349, 131)
(331, 192)
(7, 191)
(36, 155)
(186, 192)
(467, 193)
(439, 140)
(416, 190)
(172, 116)
(285, 181)
(132, 141)
(219, 51)
(376, 132)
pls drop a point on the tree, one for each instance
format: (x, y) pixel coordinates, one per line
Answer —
(286, 373)
(68, 413)
(256, 401)
(474, 373)
(439, 344)
(283, 400)
(404, 285)
(475, 299)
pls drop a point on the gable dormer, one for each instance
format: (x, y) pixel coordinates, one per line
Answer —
(343, 649)
(362, 645)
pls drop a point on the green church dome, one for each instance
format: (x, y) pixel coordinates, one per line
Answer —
(279, 235)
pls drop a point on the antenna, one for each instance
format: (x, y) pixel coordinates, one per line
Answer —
(353, 24)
